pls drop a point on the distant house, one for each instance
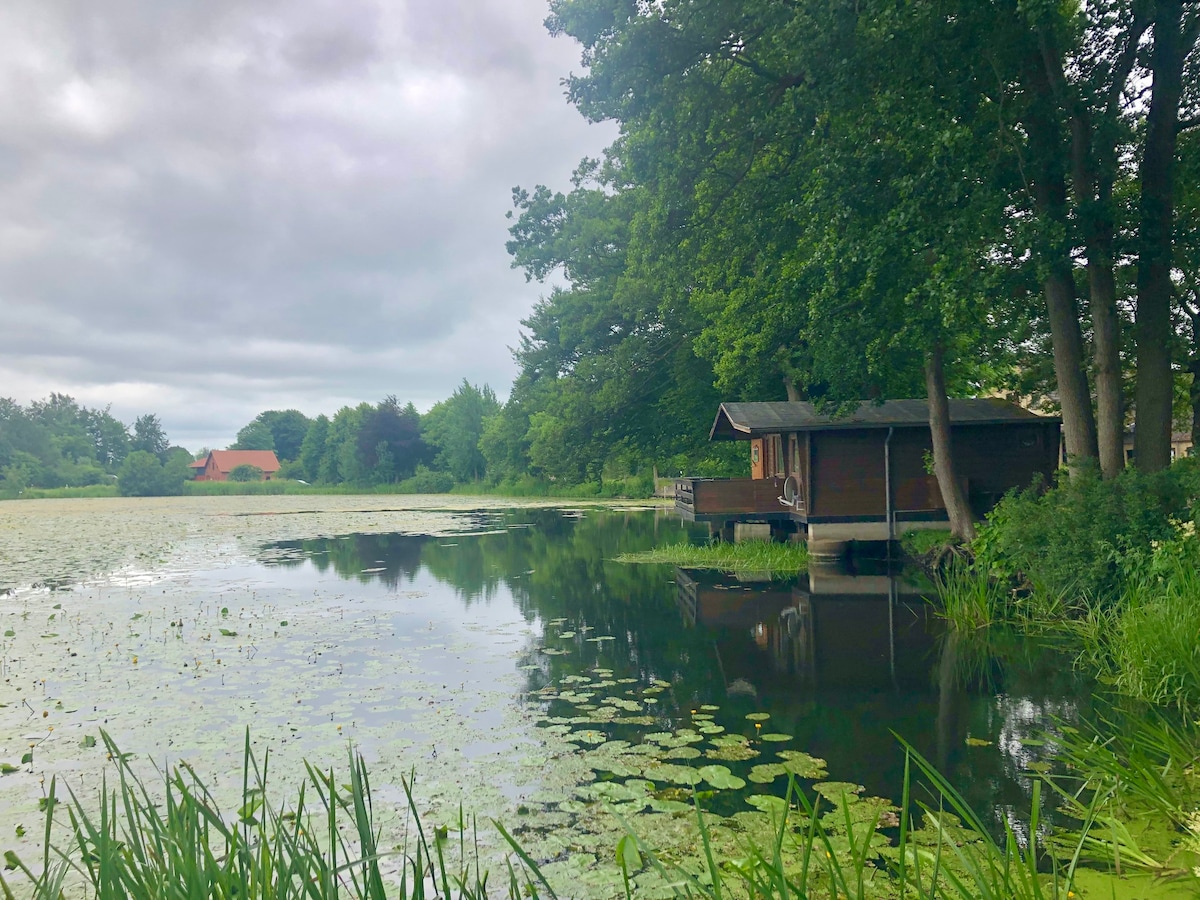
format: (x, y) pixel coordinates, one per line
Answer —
(219, 463)
(866, 475)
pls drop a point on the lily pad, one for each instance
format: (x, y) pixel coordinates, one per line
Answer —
(721, 778)
(777, 738)
(768, 803)
(757, 716)
(837, 790)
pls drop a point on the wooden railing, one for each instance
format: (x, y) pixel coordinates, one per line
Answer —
(731, 496)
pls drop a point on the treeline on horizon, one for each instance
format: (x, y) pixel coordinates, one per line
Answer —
(58, 443)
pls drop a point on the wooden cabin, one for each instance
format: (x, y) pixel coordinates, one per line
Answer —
(866, 475)
(217, 465)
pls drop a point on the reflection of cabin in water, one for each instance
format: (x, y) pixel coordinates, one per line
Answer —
(825, 630)
(865, 475)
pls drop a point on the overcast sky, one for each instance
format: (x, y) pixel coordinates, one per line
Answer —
(209, 208)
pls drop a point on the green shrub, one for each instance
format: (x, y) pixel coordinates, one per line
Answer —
(426, 481)
(142, 475)
(1068, 543)
(246, 472)
(1147, 645)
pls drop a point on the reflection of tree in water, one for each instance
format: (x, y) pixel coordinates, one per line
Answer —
(392, 559)
(823, 671)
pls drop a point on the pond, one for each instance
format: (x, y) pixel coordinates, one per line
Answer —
(501, 656)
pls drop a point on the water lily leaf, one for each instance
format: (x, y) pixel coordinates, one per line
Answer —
(757, 716)
(659, 737)
(776, 738)
(634, 720)
(732, 752)
(567, 635)
(673, 773)
(589, 736)
(681, 753)
(728, 739)
(978, 742)
(802, 765)
(721, 778)
(628, 857)
(1039, 767)
(710, 728)
(227, 632)
(836, 790)
(668, 806)
(765, 773)
(573, 806)
(88, 741)
(8, 768)
(768, 803)
(708, 707)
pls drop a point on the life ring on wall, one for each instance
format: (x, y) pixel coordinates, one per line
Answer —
(791, 489)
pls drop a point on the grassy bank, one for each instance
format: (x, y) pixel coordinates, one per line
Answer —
(750, 556)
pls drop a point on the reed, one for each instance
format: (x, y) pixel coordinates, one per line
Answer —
(131, 846)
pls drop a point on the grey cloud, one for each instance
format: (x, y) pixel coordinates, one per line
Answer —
(304, 198)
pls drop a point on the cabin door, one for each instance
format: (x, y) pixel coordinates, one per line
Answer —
(756, 458)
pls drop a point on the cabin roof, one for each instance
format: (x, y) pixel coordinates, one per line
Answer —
(742, 421)
(228, 460)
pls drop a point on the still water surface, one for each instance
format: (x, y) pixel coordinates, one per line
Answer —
(843, 663)
(494, 657)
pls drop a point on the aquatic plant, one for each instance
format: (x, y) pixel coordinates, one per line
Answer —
(1145, 645)
(750, 556)
(832, 844)
(131, 845)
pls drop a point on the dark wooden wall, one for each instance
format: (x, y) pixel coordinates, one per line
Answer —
(847, 475)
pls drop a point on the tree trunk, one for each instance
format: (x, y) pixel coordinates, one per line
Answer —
(1079, 425)
(1193, 313)
(1153, 395)
(1110, 412)
(792, 393)
(1048, 185)
(962, 522)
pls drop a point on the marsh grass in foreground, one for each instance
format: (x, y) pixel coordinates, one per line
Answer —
(782, 560)
(327, 846)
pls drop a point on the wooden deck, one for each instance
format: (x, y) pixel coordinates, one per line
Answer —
(744, 498)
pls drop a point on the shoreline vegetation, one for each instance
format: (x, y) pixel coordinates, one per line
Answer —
(780, 560)
(324, 843)
(620, 489)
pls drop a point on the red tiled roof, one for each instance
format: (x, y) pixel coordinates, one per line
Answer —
(228, 460)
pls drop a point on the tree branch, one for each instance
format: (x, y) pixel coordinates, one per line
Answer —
(1127, 59)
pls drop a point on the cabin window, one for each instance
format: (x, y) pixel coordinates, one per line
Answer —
(775, 460)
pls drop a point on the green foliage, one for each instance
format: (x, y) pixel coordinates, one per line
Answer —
(782, 560)
(148, 436)
(921, 542)
(246, 472)
(453, 429)
(288, 429)
(322, 845)
(58, 443)
(1146, 644)
(142, 475)
(426, 481)
(255, 436)
(1069, 543)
